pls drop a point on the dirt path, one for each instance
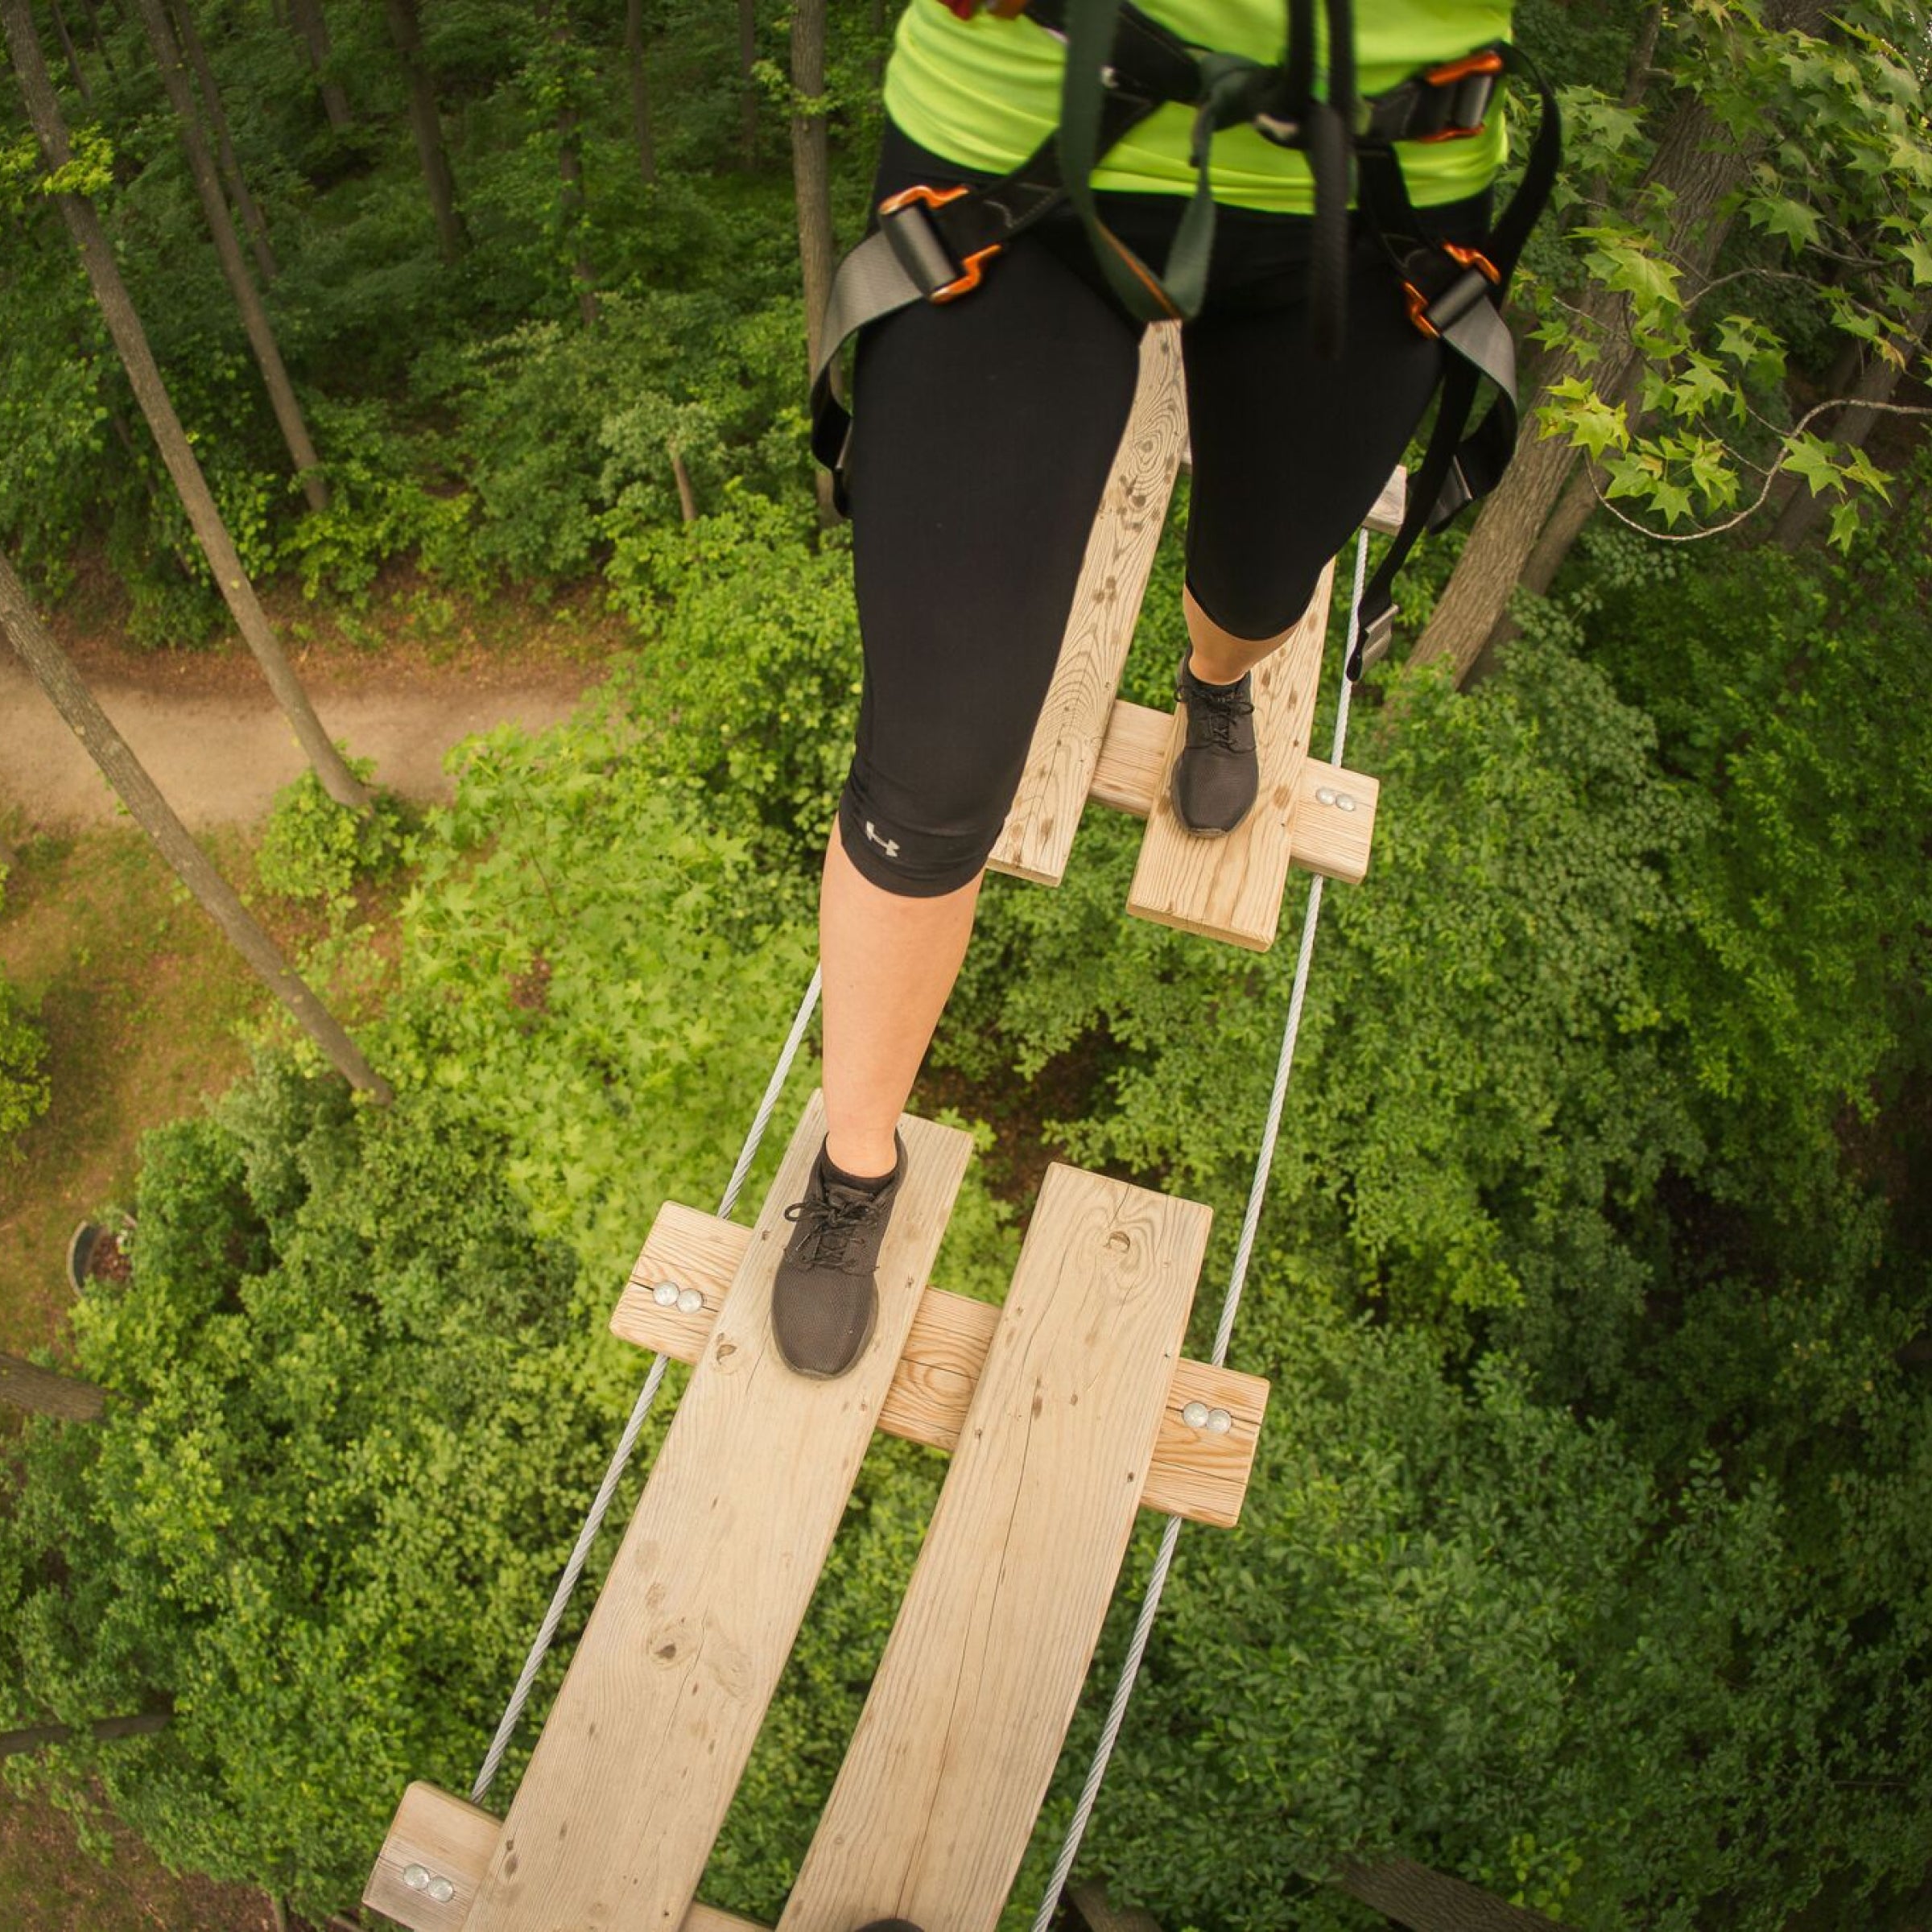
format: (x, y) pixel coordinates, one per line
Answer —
(219, 747)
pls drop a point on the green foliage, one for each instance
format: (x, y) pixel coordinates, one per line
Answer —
(379, 509)
(313, 848)
(751, 671)
(1457, 1625)
(354, 1437)
(1490, 980)
(25, 1089)
(1835, 150)
(570, 435)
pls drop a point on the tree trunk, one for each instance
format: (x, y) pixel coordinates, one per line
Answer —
(811, 185)
(12, 1743)
(307, 16)
(151, 812)
(248, 298)
(124, 325)
(1799, 521)
(748, 88)
(1426, 1900)
(73, 59)
(41, 1391)
(406, 32)
(640, 91)
(93, 28)
(687, 502)
(570, 161)
(266, 265)
(1699, 164)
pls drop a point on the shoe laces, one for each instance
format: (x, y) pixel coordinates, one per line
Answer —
(1216, 710)
(830, 1226)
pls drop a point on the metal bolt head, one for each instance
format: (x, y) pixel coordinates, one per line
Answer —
(1195, 1415)
(689, 1301)
(665, 1294)
(1344, 801)
(1220, 1422)
(442, 1891)
(1325, 794)
(416, 1877)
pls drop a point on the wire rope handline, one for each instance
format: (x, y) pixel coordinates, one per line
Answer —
(1230, 1301)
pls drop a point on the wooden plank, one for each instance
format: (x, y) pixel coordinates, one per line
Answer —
(1386, 514)
(431, 1864)
(1333, 823)
(942, 1784)
(632, 1776)
(1334, 826)
(1231, 888)
(1046, 810)
(1197, 1471)
(436, 1837)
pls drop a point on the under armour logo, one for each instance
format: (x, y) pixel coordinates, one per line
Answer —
(890, 847)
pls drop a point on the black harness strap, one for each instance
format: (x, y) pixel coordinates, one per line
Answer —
(1456, 294)
(932, 245)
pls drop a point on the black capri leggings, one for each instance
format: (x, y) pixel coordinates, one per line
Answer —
(984, 431)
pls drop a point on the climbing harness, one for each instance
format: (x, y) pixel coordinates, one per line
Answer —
(935, 244)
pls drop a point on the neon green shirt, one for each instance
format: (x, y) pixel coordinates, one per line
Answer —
(985, 92)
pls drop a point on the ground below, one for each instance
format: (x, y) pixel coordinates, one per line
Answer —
(144, 1004)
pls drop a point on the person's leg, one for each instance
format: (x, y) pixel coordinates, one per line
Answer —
(985, 431)
(890, 963)
(1218, 656)
(1290, 450)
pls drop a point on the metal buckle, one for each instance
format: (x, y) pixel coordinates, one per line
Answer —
(921, 253)
(1473, 80)
(1432, 314)
(1373, 640)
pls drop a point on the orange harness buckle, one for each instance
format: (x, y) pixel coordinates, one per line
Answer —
(924, 253)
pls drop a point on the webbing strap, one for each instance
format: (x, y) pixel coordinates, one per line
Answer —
(1459, 465)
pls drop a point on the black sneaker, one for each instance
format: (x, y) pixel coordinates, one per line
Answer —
(1217, 774)
(825, 1297)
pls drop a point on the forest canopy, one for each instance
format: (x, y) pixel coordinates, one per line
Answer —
(1587, 1556)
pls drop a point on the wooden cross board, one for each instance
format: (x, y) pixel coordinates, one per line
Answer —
(1069, 1397)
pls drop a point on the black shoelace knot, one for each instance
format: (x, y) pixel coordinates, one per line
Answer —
(830, 1226)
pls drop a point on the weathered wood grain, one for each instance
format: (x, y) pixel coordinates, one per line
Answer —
(636, 1767)
(1046, 810)
(943, 1783)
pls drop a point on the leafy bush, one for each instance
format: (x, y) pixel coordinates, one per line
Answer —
(1477, 1104)
(752, 672)
(25, 1089)
(379, 508)
(568, 437)
(1459, 1626)
(313, 848)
